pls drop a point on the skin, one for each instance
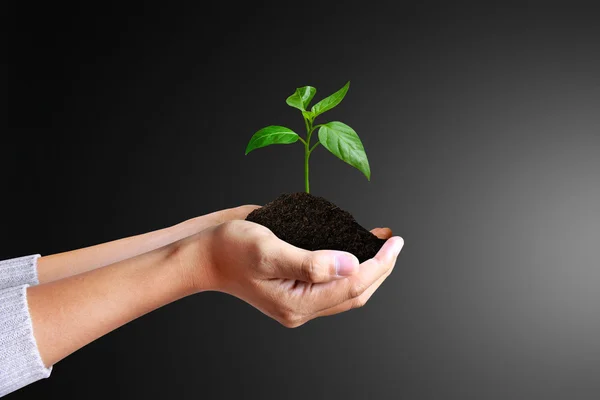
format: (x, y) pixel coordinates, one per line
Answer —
(86, 293)
(63, 265)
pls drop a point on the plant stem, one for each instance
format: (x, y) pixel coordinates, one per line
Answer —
(311, 150)
(307, 153)
(312, 128)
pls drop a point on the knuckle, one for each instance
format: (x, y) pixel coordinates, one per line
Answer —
(291, 324)
(259, 251)
(359, 302)
(389, 271)
(290, 319)
(311, 269)
(264, 246)
(221, 232)
(228, 227)
(238, 225)
(258, 232)
(357, 288)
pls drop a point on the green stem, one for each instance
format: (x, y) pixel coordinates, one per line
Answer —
(308, 127)
(311, 150)
(307, 150)
(306, 155)
(312, 128)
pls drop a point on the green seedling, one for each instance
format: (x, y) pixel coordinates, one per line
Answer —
(337, 137)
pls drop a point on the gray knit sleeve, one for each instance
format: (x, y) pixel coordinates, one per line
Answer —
(20, 360)
(18, 271)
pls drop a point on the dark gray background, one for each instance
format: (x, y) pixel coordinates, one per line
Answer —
(482, 126)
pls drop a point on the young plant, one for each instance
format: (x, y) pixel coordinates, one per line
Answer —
(337, 137)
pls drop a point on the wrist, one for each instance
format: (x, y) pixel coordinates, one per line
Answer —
(193, 261)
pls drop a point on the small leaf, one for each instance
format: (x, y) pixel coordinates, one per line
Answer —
(309, 115)
(301, 97)
(343, 142)
(329, 102)
(271, 135)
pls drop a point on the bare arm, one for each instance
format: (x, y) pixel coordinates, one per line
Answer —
(63, 265)
(238, 257)
(69, 313)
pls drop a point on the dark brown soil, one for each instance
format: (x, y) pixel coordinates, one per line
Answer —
(314, 223)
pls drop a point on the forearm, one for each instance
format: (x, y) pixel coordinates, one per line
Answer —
(69, 313)
(58, 266)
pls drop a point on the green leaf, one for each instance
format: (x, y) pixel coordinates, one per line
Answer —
(271, 135)
(308, 115)
(343, 142)
(329, 102)
(301, 97)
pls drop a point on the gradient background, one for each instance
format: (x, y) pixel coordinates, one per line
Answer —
(482, 126)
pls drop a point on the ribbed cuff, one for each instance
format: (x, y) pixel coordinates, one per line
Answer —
(19, 271)
(20, 360)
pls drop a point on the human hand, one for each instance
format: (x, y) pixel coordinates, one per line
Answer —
(218, 217)
(289, 284)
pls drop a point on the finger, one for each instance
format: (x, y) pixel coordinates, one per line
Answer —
(333, 293)
(228, 214)
(291, 262)
(356, 302)
(382, 233)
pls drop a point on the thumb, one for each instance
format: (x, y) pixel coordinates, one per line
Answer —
(314, 266)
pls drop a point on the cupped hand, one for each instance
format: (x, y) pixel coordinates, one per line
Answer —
(287, 283)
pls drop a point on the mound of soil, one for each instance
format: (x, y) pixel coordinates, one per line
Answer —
(314, 223)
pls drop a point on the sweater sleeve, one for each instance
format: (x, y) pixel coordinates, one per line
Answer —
(19, 271)
(20, 360)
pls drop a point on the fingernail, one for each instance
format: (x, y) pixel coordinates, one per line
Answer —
(345, 264)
